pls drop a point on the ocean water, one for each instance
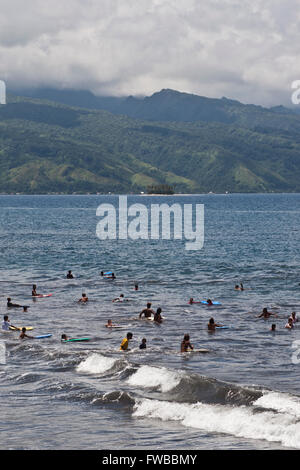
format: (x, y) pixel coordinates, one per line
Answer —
(243, 394)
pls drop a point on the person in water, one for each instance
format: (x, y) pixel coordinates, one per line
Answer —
(70, 275)
(290, 324)
(34, 292)
(83, 299)
(266, 314)
(157, 316)
(239, 287)
(23, 334)
(64, 337)
(294, 317)
(136, 287)
(6, 325)
(120, 299)
(125, 342)
(147, 312)
(11, 305)
(212, 325)
(273, 327)
(186, 344)
(209, 302)
(143, 344)
(109, 324)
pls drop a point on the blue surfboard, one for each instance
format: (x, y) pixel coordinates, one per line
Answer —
(42, 336)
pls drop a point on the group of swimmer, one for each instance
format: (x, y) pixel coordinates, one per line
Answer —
(147, 313)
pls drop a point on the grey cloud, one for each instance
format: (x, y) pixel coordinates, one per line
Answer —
(243, 50)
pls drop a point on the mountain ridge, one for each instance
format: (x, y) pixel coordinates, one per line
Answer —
(51, 147)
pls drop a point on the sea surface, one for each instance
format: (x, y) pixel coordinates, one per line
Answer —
(243, 394)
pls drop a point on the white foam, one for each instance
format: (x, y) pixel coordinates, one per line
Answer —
(96, 364)
(238, 421)
(158, 377)
(282, 402)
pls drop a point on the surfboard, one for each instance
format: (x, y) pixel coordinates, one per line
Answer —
(74, 339)
(201, 350)
(222, 327)
(19, 328)
(214, 303)
(41, 296)
(42, 336)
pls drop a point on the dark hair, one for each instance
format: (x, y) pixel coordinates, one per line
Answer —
(158, 310)
(129, 335)
(186, 337)
(5, 318)
(211, 321)
(149, 304)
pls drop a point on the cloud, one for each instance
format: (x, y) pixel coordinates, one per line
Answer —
(243, 50)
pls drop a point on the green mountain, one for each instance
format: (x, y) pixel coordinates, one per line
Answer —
(213, 145)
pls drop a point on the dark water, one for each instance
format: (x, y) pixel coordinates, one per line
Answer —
(243, 394)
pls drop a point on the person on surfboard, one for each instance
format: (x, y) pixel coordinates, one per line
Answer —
(186, 344)
(11, 305)
(212, 325)
(34, 292)
(120, 299)
(239, 287)
(23, 334)
(6, 325)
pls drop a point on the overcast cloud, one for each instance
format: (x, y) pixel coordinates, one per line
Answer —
(243, 49)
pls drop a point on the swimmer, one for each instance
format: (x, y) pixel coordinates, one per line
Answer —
(290, 324)
(265, 314)
(120, 299)
(212, 325)
(294, 317)
(11, 305)
(157, 316)
(109, 324)
(136, 287)
(143, 344)
(64, 337)
(239, 287)
(23, 334)
(185, 344)
(125, 342)
(147, 312)
(209, 302)
(83, 299)
(6, 325)
(70, 275)
(273, 327)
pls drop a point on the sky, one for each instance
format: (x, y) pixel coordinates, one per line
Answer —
(247, 50)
